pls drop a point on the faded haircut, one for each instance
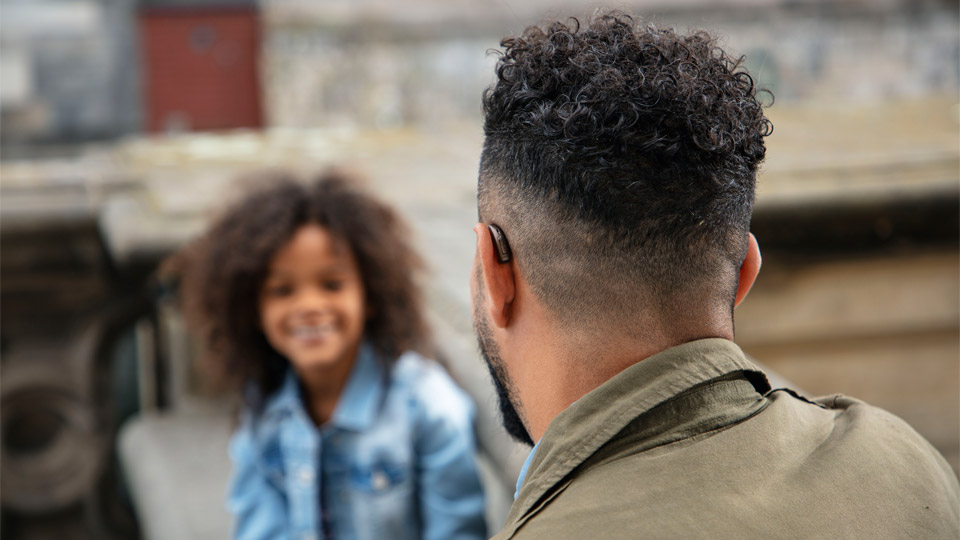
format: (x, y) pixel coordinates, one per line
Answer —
(620, 160)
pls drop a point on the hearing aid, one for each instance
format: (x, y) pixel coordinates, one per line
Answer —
(500, 241)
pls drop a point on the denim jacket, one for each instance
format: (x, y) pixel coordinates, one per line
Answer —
(395, 460)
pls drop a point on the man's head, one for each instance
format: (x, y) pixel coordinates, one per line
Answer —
(620, 162)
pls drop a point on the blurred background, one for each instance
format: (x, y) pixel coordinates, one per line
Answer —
(124, 125)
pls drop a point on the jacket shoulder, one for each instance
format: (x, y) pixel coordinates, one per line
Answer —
(888, 439)
(432, 392)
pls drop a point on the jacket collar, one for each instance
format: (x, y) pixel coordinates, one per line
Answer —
(361, 397)
(579, 431)
(359, 401)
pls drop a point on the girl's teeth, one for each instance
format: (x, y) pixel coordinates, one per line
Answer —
(311, 331)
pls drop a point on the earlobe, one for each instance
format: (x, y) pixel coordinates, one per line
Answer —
(497, 277)
(749, 269)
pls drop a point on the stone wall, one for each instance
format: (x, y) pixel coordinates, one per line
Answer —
(373, 67)
(71, 70)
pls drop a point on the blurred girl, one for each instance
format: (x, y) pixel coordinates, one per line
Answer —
(305, 294)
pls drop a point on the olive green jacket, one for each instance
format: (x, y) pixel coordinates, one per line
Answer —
(693, 443)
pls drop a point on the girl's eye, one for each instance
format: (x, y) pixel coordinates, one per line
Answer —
(333, 285)
(278, 290)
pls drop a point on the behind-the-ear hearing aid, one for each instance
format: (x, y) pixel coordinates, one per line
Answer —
(500, 241)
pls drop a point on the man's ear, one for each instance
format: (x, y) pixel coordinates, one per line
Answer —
(749, 269)
(497, 277)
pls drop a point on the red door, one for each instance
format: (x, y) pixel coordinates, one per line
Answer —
(200, 68)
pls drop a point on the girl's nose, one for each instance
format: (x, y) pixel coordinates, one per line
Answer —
(312, 300)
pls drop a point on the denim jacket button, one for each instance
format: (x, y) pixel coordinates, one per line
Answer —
(305, 475)
(379, 481)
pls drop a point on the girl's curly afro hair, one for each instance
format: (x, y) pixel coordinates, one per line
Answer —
(222, 272)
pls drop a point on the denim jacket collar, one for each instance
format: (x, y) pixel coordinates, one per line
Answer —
(358, 403)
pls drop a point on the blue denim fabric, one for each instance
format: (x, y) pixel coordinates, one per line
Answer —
(395, 461)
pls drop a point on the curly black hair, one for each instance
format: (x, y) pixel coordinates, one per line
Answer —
(221, 273)
(640, 143)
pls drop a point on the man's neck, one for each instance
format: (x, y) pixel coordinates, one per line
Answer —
(555, 372)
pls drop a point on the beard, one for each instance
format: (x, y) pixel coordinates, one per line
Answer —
(506, 394)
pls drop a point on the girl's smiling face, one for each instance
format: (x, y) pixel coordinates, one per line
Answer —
(312, 303)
